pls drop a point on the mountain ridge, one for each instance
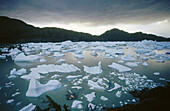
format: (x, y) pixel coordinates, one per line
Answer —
(17, 31)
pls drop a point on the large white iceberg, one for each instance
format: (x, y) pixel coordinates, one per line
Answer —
(117, 86)
(23, 58)
(94, 69)
(35, 88)
(131, 64)
(32, 75)
(119, 67)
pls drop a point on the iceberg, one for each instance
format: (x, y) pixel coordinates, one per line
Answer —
(119, 67)
(57, 54)
(119, 93)
(29, 107)
(156, 73)
(131, 64)
(127, 58)
(32, 75)
(117, 86)
(19, 72)
(90, 96)
(95, 85)
(10, 101)
(77, 104)
(22, 58)
(91, 106)
(73, 77)
(145, 64)
(103, 98)
(35, 88)
(94, 69)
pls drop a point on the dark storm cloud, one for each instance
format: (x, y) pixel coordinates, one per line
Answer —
(94, 12)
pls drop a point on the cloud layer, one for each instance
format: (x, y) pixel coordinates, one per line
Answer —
(87, 12)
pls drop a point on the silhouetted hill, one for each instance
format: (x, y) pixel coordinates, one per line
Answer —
(17, 31)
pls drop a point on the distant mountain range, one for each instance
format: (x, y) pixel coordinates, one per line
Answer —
(17, 31)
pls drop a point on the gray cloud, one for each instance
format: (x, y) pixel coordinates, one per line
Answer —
(94, 12)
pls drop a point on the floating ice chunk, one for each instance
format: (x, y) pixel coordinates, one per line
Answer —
(119, 67)
(90, 96)
(93, 53)
(117, 86)
(22, 58)
(103, 98)
(95, 85)
(29, 107)
(160, 61)
(76, 87)
(91, 106)
(73, 77)
(57, 54)
(133, 100)
(145, 58)
(42, 60)
(17, 93)
(156, 73)
(2, 57)
(64, 68)
(35, 89)
(142, 51)
(119, 52)
(119, 93)
(14, 72)
(127, 58)
(145, 64)
(77, 104)
(79, 56)
(32, 75)
(55, 76)
(132, 64)
(79, 62)
(162, 79)
(61, 60)
(120, 61)
(10, 101)
(94, 69)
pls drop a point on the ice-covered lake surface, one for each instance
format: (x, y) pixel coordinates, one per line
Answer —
(99, 73)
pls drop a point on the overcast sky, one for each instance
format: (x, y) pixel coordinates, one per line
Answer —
(93, 16)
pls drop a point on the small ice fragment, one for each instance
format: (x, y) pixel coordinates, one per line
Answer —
(118, 94)
(77, 104)
(57, 54)
(133, 100)
(117, 86)
(29, 107)
(17, 93)
(90, 96)
(10, 101)
(132, 64)
(73, 77)
(145, 64)
(91, 106)
(103, 98)
(156, 73)
(79, 62)
(119, 67)
(42, 60)
(76, 87)
(120, 61)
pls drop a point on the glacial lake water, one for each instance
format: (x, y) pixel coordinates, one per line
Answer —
(140, 76)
